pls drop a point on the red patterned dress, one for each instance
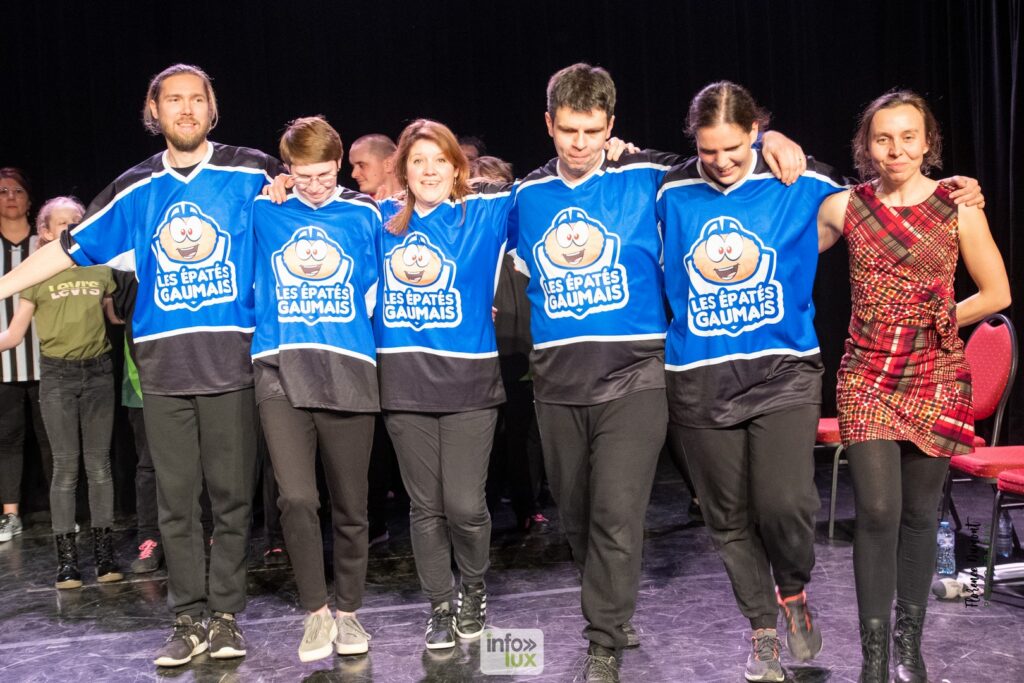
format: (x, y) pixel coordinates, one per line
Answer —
(904, 376)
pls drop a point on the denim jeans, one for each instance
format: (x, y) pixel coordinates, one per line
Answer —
(77, 401)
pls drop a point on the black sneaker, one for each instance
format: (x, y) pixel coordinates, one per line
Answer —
(440, 627)
(225, 637)
(599, 666)
(472, 615)
(803, 639)
(187, 640)
(151, 556)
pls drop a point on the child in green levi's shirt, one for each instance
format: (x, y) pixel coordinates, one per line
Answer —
(76, 391)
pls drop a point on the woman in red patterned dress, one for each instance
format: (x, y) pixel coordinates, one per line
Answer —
(904, 386)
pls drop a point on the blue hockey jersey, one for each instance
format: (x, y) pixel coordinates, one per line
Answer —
(593, 252)
(435, 337)
(316, 286)
(739, 272)
(189, 239)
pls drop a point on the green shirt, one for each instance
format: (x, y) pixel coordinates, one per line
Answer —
(69, 312)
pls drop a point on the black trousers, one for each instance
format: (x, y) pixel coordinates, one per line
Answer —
(755, 481)
(192, 439)
(600, 462)
(897, 490)
(443, 459)
(14, 397)
(344, 440)
(145, 479)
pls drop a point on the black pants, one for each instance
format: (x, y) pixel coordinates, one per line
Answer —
(601, 461)
(344, 439)
(516, 460)
(897, 490)
(145, 479)
(443, 459)
(13, 399)
(755, 482)
(192, 439)
(273, 534)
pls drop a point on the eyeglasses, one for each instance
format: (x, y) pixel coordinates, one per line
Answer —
(323, 180)
(11, 191)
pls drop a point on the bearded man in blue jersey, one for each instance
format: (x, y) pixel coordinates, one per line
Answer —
(180, 220)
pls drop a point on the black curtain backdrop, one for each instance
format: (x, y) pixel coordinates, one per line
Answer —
(74, 77)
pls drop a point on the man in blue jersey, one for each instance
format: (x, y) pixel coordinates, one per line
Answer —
(584, 229)
(180, 219)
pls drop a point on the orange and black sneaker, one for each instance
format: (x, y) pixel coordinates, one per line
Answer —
(803, 639)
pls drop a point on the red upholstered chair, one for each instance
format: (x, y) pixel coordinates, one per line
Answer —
(1009, 495)
(828, 437)
(992, 354)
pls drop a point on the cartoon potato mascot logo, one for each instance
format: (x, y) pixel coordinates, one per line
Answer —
(313, 276)
(578, 259)
(732, 280)
(419, 286)
(193, 269)
(416, 264)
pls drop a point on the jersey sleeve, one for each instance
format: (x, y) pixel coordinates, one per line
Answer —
(371, 262)
(104, 237)
(826, 180)
(512, 233)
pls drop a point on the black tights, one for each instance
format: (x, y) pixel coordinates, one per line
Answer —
(897, 489)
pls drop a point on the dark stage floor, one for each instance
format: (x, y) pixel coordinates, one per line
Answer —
(690, 627)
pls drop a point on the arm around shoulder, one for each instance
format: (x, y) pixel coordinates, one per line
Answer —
(985, 266)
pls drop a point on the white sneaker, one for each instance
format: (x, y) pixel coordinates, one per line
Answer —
(10, 526)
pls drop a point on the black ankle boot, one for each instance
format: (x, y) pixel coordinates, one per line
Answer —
(906, 640)
(103, 550)
(874, 647)
(67, 562)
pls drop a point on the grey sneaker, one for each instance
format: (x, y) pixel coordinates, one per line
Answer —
(802, 635)
(187, 640)
(599, 666)
(352, 637)
(763, 663)
(10, 526)
(226, 639)
(319, 632)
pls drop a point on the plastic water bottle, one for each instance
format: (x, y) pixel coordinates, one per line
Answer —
(1004, 536)
(945, 559)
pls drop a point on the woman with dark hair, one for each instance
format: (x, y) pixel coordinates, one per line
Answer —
(904, 391)
(440, 381)
(743, 363)
(19, 374)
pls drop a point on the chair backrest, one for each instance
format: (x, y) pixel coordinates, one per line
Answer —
(992, 354)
